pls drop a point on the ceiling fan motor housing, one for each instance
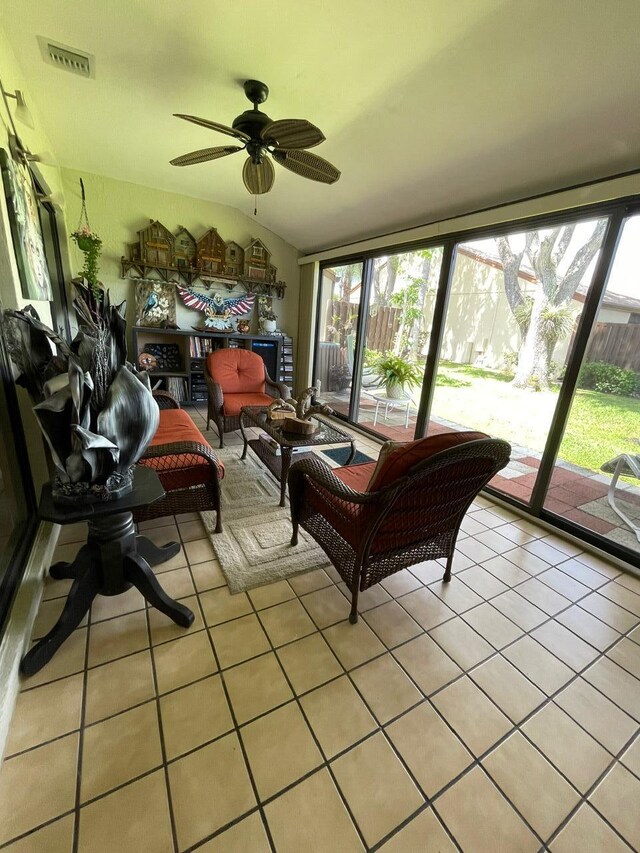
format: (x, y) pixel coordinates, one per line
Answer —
(251, 122)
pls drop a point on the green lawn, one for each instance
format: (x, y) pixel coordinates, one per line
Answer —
(600, 426)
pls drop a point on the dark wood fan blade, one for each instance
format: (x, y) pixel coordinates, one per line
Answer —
(292, 133)
(258, 177)
(307, 165)
(205, 154)
(213, 125)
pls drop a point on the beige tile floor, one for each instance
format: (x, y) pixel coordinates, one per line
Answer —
(499, 713)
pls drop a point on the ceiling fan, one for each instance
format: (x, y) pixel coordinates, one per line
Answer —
(285, 140)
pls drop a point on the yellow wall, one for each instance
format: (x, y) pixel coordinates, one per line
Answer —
(118, 209)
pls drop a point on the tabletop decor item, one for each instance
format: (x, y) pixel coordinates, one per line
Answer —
(279, 410)
(268, 323)
(298, 413)
(97, 415)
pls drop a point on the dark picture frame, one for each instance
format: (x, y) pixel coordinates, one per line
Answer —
(26, 232)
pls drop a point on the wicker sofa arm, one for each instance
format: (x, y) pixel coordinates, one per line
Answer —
(180, 448)
(165, 400)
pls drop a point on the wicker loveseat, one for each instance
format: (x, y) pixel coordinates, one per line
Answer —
(373, 520)
(237, 378)
(189, 470)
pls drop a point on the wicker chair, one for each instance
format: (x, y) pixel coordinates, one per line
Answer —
(237, 378)
(188, 469)
(410, 509)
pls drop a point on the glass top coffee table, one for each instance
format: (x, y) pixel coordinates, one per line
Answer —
(279, 463)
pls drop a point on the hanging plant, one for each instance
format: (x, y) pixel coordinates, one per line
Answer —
(90, 245)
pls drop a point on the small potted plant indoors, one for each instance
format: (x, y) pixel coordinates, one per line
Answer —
(397, 375)
(90, 245)
(268, 322)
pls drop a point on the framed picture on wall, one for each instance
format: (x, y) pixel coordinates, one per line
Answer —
(26, 234)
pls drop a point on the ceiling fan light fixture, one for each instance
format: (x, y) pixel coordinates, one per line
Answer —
(258, 177)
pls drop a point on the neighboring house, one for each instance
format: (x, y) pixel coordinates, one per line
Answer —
(615, 307)
(480, 328)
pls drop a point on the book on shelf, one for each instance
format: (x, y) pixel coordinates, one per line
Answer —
(273, 447)
(200, 347)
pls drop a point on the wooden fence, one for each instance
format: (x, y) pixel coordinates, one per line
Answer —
(382, 327)
(615, 343)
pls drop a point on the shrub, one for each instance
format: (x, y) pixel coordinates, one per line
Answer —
(339, 377)
(608, 379)
(510, 361)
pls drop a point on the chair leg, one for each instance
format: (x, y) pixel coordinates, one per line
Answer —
(447, 572)
(294, 535)
(353, 616)
(218, 521)
(220, 425)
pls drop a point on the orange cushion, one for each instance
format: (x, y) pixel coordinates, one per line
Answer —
(237, 371)
(402, 458)
(232, 403)
(356, 476)
(180, 470)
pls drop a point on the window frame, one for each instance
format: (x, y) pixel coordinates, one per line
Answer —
(617, 211)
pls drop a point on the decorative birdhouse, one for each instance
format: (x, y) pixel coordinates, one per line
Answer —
(211, 253)
(185, 249)
(156, 245)
(234, 265)
(256, 261)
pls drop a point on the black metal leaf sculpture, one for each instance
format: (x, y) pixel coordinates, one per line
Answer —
(97, 415)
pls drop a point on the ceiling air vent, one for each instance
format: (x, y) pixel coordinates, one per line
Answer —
(67, 58)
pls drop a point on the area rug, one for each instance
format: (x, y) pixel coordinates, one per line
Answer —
(254, 548)
(341, 454)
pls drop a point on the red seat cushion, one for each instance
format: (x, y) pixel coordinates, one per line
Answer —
(356, 476)
(232, 403)
(179, 470)
(400, 460)
(237, 371)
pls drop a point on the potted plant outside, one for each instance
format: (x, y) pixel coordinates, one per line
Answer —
(397, 375)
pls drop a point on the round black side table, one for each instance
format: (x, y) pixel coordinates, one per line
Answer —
(113, 560)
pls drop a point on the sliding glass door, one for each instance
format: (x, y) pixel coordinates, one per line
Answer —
(530, 334)
(395, 335)
(338, 312)
(514, 303)
(595, 482)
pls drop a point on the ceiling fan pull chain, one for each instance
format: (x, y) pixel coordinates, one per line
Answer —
(255, 205)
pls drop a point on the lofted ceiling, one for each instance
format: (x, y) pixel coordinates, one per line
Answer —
(430, 107)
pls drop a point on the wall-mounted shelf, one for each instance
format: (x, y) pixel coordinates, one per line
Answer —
(159, 255)
(137, 271)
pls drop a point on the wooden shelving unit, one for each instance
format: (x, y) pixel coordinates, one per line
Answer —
(194, 347)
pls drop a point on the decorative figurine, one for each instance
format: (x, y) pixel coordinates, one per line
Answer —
(217, 308)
